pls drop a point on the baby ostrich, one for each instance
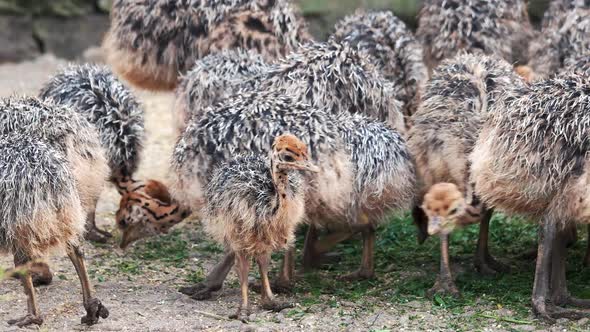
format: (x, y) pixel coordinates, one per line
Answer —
(254, 206)
(151, 42)
(96, 94)
(498, 27)
(365, 169)
(565, 38)
(445, 127)
(52, 170)
(393, 48)
(212, 78)
(531, 159)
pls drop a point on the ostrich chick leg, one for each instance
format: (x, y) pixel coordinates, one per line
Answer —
(33, 316)
(542, 306)
(94, 308)
(444, 282)
(314, 249)
(284, 284)
(560, 295)
(421, 221)
(268, 301)
(213, 282)
(93, 233)
(242, 269)
(367, 269)
(484, 262)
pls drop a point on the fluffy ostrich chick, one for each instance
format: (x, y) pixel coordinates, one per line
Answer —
(95, 93)
(152, 42)
(531, 159)
(393, 49)
(366, 171)
(52, 170)
(253, 207)
(448, 121)
(498, 27)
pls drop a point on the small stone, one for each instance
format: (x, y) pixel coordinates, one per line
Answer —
(525, 327)
(247, 328)
(562, 321)
(252, 317)
(583, 321)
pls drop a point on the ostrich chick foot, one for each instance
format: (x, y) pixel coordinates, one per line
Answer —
(444, 286)
(94, 310)
(275, 306)
(26, 321)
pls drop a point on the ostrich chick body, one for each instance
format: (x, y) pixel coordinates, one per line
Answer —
(253, 207)
(393, 49)
(213, 78)
(52, 170)
(365, 168)
(151, 42)
(531, 159)
(498, 27)
(454, 105)
(95, 93)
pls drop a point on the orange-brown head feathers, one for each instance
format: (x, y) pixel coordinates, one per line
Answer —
(146, 209)
(525, 72)
(444, 204)
(288, 152)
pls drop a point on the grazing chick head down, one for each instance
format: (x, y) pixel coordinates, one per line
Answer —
(146, 209)
(253, 205)
(446, 209)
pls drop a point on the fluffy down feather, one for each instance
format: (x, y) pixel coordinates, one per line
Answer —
(41, 210)
(499, 27)
(151, 41)
(242, 204)
(565, 39)
(213, 78)
(336, 77)
(534, 146)
(64, 130)
(455, 103)
(393, 49)
(364, 164)
(99, 96)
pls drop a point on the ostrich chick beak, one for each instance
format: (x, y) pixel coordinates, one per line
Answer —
(302, 166)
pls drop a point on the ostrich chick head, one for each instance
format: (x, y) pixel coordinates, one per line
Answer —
(446, 208)
(289, 153)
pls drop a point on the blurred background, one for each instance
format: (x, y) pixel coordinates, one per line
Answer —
(72, 29)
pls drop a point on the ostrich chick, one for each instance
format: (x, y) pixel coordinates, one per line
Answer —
(151, 42)
(393, 49)
(454, 105)
(52, 170)
(95, 93)
(498, 27)
(531, 158)
(253, 207)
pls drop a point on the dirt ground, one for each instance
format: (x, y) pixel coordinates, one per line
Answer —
(140, 289)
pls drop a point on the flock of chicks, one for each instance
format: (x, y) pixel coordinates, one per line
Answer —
(476, 112)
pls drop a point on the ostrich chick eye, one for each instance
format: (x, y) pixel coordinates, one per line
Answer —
(288, 158)
(453, 211)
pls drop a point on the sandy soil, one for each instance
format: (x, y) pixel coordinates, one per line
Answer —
(149, 301)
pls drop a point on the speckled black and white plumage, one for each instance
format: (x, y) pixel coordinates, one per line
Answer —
(336, 77)
(396, 53)
(580, 64)
(95, 93)
(245, 182)
(499, 27)
(61, 127)
(248, 122)
(454, 105)
(155, 40)
(213, 78)
(35, 180)
(564, 39)
(540, 144)
(556, 9)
